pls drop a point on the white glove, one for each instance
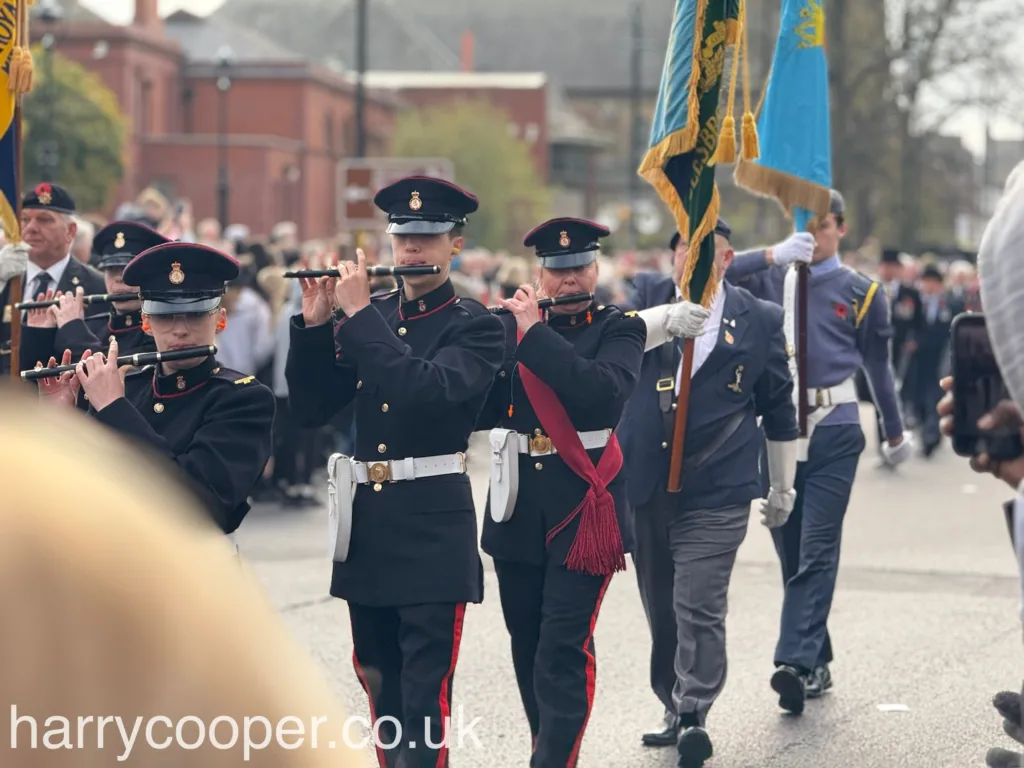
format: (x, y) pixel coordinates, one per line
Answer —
(13, 262)
(685, 320)
(776, 509)
(896, 456)
(673, 321)
(795, 249)
(782, 459)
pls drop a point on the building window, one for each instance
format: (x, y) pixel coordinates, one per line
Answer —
(329, 133)
(532, 133)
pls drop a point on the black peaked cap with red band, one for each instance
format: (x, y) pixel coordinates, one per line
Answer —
(422, 205)
(121, 241)
(180, 278)
(566, 243)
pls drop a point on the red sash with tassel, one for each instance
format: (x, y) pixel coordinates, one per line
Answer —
(597, 549)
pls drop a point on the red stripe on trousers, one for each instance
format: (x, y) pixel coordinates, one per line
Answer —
(381, 761)
(444, 705)
(591, 673)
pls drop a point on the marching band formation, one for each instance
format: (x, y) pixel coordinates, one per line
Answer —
(578, 400)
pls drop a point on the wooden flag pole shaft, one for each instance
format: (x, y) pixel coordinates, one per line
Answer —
(675, 468)
(803, 407)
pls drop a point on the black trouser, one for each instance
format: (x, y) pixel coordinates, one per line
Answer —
(405, 659)
(297, 450)
(550, 613)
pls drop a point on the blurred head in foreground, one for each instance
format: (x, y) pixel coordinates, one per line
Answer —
(117, 599)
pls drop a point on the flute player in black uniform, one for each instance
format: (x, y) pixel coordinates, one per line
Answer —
(415, 364)
(50, 331)
(213, 423)
(559, 395)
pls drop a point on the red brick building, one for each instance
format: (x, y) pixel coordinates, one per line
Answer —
(284, 122)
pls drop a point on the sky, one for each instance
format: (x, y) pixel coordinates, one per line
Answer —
(121, 11)
(970, 126)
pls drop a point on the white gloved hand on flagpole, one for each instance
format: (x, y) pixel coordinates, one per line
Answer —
(798, 248)
(683, 320)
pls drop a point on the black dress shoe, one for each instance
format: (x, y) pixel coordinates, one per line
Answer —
(819, 682)
(791, 685)
(665, 738)
(694, 747)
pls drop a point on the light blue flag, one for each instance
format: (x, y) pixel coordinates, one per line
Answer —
(795, 164)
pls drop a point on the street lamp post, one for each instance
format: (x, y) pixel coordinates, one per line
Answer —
(49, 12)
(225, 58)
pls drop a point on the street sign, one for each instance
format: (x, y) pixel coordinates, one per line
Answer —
(359, 180)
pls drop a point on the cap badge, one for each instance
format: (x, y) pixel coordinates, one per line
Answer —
(75, 281)
(564, 240)
(177, 277)
(180, 383)
(415, 203)
(119, 240)
(45, 194)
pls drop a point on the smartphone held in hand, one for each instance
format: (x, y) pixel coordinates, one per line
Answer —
(977, 388)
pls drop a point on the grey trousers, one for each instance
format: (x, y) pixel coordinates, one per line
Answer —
(684, 562)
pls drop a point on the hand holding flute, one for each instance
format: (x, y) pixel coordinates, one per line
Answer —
(349, 291)
(126, 361)
(50, 300)
(576, 298)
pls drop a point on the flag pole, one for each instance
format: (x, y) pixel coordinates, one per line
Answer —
(682, 406)
(802, 290)
(20, 82)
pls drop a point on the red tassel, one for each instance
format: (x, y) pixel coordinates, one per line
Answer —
(510, 409)
(597, 549)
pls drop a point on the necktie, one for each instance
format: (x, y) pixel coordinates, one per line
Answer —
(43, 281)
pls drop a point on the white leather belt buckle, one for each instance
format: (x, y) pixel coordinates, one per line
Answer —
(397, 470)
(539, 444)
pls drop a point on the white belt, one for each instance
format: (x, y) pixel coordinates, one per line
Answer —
(541, 445)
(408, 469)
(841, 394)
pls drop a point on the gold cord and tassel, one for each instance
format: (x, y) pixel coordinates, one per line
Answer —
(726, 151)
(21, 72)
(751, 147)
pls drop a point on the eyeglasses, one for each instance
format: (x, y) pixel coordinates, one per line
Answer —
(192, 321)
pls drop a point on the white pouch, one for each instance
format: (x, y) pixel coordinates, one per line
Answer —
(341, 492)
(504, 473)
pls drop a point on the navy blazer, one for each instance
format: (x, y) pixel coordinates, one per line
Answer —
(746, 376)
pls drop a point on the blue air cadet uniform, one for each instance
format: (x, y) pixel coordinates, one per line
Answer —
(848, 328)
(416, 372)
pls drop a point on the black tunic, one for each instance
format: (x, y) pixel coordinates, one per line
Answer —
(215, 424)
(592, 361)
(417, 374)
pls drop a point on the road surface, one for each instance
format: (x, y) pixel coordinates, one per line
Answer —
(925, 617)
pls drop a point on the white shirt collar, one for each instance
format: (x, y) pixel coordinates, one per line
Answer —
(56, 272)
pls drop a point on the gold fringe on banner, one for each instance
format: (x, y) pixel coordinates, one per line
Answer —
(685, 139)
(704, 230)
(790, 191)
